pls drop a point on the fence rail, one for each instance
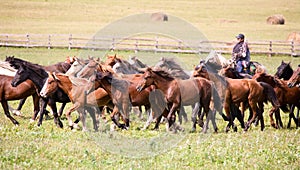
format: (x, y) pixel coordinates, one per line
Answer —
(151, 44)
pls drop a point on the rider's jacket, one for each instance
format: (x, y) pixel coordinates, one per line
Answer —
(241, 52)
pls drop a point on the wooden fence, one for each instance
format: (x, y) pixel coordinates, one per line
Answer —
(149, 43)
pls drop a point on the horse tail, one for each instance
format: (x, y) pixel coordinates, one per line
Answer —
(270, 94)
(218, 102)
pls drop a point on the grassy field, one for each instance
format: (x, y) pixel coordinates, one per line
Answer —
(48, 147)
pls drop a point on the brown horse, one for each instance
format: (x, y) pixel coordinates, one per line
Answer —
(220, 86)
(80, 91)
(285, 95)
(250, 91)
(7, 92)
(295, 79)
(178, 92)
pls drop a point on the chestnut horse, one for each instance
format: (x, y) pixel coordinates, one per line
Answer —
(284, 94)
(178, 92)
(295, 78)
(80, 91)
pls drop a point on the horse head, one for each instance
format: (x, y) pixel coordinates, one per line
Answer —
(284, 71)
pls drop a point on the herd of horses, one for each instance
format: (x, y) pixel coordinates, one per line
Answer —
(164, 90)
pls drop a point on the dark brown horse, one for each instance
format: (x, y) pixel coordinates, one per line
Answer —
(284, 94)
(7, 93)
(295, 78)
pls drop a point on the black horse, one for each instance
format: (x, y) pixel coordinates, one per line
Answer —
(61, 67)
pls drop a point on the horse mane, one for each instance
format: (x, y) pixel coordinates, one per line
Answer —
(35, 68)
(120, 84)
(173, 68)
(172, 63)
(163, 72)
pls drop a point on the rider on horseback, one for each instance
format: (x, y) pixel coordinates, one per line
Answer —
(241, 54)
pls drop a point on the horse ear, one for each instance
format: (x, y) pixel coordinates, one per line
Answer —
(55, 77)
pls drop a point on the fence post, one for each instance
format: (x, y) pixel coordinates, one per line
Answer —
(270, 49)
(136, 46)
(6, 42)
(292, 48)
(70, 42)
(112, 49)
(179, 45)
(49, 41)
(156, 44)
(28, 40)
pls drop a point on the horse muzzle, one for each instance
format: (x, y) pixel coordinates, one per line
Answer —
(14, 84)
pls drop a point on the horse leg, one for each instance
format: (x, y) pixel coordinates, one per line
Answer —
(261, 116)
(292, 116)
(43, 105)
(148, 122)
(227, 111)
(36, 103)
(298, 121)
(253, 106)
(179, 113)
(60, 112)
(236, 113)
(82, 115)
(92, 113)
(183, 114)
(200, 116)
(213, 119)
(196, 110)
(278, 119)
(53, 107)
(156, 127)
(172, 116)
(6, 111)
(68, 114)
(18, 110)
(113, 118)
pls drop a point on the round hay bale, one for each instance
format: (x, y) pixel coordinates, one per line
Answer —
(159, 16)
(294, 36)
(276, 19)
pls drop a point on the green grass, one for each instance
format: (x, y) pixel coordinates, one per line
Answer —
(48, 147)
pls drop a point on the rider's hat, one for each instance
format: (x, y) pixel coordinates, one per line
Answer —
(241, 36)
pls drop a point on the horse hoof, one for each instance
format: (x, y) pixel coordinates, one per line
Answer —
(31, 121)
(193, 130)
(17, 112)
(235, 129)
(227, 129)
(155, 128)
